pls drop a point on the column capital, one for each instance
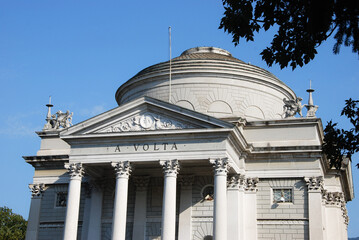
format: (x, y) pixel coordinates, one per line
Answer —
(251, 184)
(170, 167)
(333, 198)
(141, 182)
(75, 170)
(220, 165)
(186, 181)
(37, 189)
(314, 183)
(237, 182)
(122, 169)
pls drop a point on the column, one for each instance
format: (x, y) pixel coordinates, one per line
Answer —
(76, 172)
(122, 170)
(235, 207)
(94, 232)
(34, 214)
(139, 220)
(250, 212)
(315, 186)
(170, 170)
(185, 210)
(221, 167)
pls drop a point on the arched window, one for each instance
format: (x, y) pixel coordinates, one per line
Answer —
(208, 237)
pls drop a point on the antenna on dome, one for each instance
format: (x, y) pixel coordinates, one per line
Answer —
(170, 93)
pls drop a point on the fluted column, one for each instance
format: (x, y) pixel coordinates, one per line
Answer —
(170, 170)
(76, 172)
(221, 167)
(315, 186)
(139, 220)
(34, 214)
(122, 170)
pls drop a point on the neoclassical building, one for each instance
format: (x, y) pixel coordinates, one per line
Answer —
(222, 151)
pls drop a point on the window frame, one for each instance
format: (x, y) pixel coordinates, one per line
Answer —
(281, 188)
(56, 198)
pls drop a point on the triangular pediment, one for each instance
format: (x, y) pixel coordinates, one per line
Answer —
(145, 114)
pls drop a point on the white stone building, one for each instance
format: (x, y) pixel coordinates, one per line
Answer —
(214, 156)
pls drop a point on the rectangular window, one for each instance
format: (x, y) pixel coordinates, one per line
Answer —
(61, 199)
(282, 195)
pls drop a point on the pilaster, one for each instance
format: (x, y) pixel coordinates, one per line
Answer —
(235, 207)
(316, 227)
(34, 214)
(185, 212)
(251, 189)
(94, 226)
(139, 222)
(86, 216)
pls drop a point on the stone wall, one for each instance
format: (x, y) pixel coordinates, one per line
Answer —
(282, 220)
(51, 217)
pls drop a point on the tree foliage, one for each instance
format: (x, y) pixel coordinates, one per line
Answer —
(339, 143)
(12, 225)
(303, 25)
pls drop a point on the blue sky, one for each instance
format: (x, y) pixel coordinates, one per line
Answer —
(80, 52)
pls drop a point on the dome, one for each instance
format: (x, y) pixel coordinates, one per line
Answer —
(211, 81)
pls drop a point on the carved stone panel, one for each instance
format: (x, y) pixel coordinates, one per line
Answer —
(145, 122)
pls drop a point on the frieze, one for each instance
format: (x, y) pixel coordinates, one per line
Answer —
(147, 147)
(145, 122)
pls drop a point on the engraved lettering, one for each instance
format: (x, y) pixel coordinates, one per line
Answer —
(174, 146)
(136, 146)
(118, 148)
(164, 145)
(145, 147)
(155, 147)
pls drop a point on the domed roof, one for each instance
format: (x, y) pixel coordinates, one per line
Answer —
(210, 80)
(207, 53)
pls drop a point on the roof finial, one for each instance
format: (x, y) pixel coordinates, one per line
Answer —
(311, 108)
(48, 116)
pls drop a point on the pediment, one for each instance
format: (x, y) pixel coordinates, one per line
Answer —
(145, 114)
